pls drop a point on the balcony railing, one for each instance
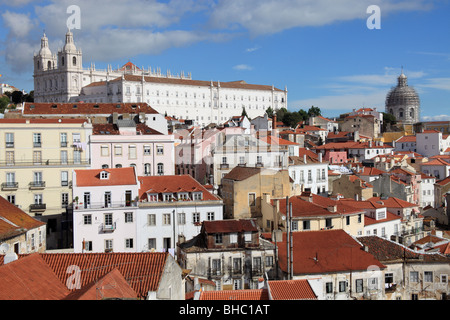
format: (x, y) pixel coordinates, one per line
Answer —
(101, 205)
(10, 186)
(34, 185)
(38, 207)
(39, 162)
(224, 166)
(108, 227)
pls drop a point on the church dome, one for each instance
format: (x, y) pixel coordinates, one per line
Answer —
(45, 50)
(69, 46)
(403, 101)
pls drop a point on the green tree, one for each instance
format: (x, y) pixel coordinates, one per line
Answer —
(269, 112)
(314, 112)
(16, 97)
(4, 101)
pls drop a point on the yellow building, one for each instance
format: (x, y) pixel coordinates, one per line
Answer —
(36, 162)
(311, 212)
(243, 189)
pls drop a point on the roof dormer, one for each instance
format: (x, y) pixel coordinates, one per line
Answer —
(104, 175)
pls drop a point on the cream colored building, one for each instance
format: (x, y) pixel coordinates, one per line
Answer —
(36, 164)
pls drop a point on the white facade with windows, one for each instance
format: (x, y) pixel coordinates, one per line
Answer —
(62, 78)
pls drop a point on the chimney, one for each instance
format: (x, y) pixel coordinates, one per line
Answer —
(304, 158)
(320, 157)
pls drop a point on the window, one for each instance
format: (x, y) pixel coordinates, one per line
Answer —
(64, 159)
(329, 287)
(87, 219)
(104, 151)
(414, 276)
(444, 278)
(128, 217)
(108, 245)
(64, 200)
(342, 286)
(216, 266)
(10, 180)
(147, 150)
(64, 178)
(196, 217)
(11, 198)
(129, 243)
(233, 237)
(181, 218)
(9, 137)
(87, 199)
(359, 218)
(160, 168)
(108, 219)
(247, 236)
(37, 142)
(197, 195)
(74, 61)
(166, 218)
(428, 276)
(210, 216)
(251, 199)
(147, 169)
(373, 283)
(104, 175)
(347, 220)
(389, 278)
(359, 285)
(159, 150)
(269, 261)
(132, 152)
(76, 137)
(151, 219)
(37, 157)
(118, 150)
(9, 157)
(107, 199)
(218, 238)
(76, 156)
(306, 225)
(151, 243)
(38, 199)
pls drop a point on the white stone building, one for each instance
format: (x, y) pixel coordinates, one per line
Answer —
(62, 78)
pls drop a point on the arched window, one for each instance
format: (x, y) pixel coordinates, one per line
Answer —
(74, 61)
(160, 168)
(62, 61)
(147, 169)
(49, 65)
(118, 165)
(411, 113)
(400, 113)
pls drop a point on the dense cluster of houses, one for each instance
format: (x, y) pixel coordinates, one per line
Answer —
(115, 200)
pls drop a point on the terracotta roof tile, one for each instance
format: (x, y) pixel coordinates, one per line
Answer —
(227, 226)
(14, 221)
(82, 108)
(172, 184)
(325, 251)
(141, 270)
(240, 173)
(248, 294)
(30, 278)
(291, 290)
(117, 176)
(393, 202)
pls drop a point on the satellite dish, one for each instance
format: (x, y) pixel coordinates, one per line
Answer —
(4, 248)
(10, 257)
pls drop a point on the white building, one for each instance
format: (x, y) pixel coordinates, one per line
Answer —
(104, 210)
(309, 173)
(171, 211)
(427, 191)
(430, 143)
(62, 78)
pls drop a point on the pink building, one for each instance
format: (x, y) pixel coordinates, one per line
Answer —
(127, 144)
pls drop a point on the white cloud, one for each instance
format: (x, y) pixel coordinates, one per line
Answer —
(436, 83)
(19, 24)
(242, 67)
(442, 117)
(272, 16)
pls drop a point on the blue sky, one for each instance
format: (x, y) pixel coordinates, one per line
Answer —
(321, 50)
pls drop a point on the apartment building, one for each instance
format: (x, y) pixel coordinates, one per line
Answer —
(36, 166)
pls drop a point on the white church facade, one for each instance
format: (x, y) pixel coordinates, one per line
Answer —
(61, 78)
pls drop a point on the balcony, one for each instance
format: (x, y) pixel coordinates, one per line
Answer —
(10, 186)
(259, 165)
(44, 163)
(102, 205)
(224, 166)
(38, 207)
(37, 144)
(107, 227)
(37, 185)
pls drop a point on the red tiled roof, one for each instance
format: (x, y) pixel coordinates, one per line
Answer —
(117, 177)
(406, 139)
(240, 173)
(277, 141)
(247, 294)
(444, 181)
(370, 171)
(172, 184)
(299, 289)
(389, 217)
(111, 285)
(43, 121)
(436, 162)
(112, 129)
(30, 278)
(14, 221)
(142, 270)
(227, 226)
(393, 202)
(325, 251)
(82, 108)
